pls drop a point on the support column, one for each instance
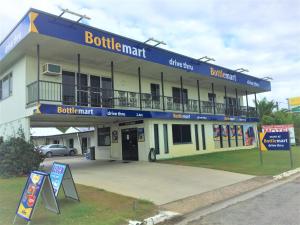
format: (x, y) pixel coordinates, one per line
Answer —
(181, 93)
(38, 72)
(112, 83)
(162, 90)
(247, 103)
(226, 101)
(199, 102)
(255, 104)
(214, 100)
(140, 87)
(236, 103)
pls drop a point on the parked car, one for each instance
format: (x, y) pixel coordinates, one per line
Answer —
(57, 149)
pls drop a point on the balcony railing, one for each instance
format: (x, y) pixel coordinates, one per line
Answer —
(97, 97)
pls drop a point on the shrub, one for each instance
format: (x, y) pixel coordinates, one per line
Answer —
(18, 157)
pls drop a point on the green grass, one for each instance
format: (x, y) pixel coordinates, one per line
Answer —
(95, 207)
(242, 161)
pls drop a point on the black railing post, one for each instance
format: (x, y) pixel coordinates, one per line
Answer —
(247, 103)
(226, 101)
(199, 102)
(181, 93)
(112, 83)
(140, 87)
(38, 72)
(162, 90)
(213, 99)
(236, 102)
(255, 104)
(78, 84)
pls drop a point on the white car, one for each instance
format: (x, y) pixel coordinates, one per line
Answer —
(57, 149)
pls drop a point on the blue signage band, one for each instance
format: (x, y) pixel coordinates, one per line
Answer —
(106, 112)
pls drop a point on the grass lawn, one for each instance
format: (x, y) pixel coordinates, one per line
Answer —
(96, 206)
(242, 161)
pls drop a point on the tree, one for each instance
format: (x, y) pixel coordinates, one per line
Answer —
(265, 108)
(18, 157)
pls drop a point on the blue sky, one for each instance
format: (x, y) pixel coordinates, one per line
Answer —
(262, 36)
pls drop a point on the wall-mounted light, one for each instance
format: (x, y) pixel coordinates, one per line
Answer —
(241, 70)
(206, 59)
(156, 42)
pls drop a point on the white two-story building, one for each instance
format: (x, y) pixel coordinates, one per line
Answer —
(58, 72)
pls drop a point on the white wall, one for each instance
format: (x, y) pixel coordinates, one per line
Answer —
(13, 113)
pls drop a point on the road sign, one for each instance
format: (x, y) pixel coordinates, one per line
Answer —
(274, 141)
(61, 176)
(38, 183)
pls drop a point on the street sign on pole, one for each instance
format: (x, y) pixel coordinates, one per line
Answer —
(276, 141)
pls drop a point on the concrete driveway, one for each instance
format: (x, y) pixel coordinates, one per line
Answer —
(156, 182)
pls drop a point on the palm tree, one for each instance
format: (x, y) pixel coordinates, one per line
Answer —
(265, 107)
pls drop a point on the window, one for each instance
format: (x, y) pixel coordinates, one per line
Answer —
(203, 136)
(6, 86)
(156, 138)
(155, 92)
(211, 97)
(107, 94)
(166, 141)
(68, 87)
(95, 91)
(177, 96)
(82, 89)
(181, 133)
(104, 136)
(196, 137)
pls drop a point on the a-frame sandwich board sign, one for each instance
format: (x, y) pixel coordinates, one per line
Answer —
(38, 184)
(61, 176)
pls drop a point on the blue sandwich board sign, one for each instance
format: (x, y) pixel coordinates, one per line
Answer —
(275, 141)
(61, 176)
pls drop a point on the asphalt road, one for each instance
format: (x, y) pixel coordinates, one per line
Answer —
(279, 206)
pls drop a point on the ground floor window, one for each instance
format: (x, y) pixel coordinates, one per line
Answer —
(196, 137)
(104, 136)
(181, 133)
(203, 137)
(166, 138)
(156, 138)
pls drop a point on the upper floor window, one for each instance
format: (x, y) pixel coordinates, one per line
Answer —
(155, 92)
(176, 92)
(6, 86)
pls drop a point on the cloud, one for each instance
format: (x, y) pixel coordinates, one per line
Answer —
(262, 36)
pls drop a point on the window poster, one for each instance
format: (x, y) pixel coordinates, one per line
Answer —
(224, 132)
(232, 131)
(114, 136)
(239, 131)
(217, 136)
(141, 134)
(249, 135)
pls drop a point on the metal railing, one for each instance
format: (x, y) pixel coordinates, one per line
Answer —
(108, 98)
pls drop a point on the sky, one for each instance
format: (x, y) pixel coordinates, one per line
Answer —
(262, 36)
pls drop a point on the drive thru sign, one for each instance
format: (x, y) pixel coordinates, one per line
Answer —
(274, 141)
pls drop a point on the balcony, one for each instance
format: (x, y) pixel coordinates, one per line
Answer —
(107, 98)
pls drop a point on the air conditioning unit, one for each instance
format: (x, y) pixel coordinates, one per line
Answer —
(52, 69)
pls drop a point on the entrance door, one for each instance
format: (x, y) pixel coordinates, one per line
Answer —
(130, 144)
(84, 145)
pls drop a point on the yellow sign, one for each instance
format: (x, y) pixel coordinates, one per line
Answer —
(295, 101)
(261, 144)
